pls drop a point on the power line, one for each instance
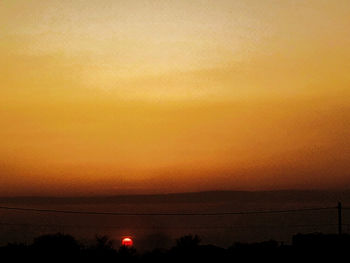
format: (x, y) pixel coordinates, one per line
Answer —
(167, 227)
(163, 214)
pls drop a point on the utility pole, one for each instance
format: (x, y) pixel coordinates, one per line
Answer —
(339, 218)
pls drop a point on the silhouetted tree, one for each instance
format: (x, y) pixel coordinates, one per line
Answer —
(186, 248)
(104, 242)
(127, 254)
(102, 250)
(188, 242)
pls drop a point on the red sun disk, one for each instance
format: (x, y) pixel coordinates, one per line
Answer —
(127, 241)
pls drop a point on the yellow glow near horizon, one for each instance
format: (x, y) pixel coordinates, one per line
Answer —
(156, 96)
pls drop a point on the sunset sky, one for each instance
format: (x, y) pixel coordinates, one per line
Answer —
(136, 96)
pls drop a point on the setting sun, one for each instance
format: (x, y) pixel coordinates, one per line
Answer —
(127, 242)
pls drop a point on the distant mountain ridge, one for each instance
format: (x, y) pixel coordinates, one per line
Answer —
(319, 196)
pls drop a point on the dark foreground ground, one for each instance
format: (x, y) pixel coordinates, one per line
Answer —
(65, 248)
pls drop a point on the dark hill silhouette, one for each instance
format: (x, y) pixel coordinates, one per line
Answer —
(193, 197)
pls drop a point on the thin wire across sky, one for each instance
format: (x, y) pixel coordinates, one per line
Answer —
(164, 214)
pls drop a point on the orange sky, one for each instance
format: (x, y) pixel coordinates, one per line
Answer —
(102, 97)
